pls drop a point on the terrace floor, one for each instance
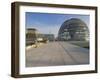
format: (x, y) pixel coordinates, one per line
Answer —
(56, 53)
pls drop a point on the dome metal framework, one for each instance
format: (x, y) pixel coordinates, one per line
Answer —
(73, 29)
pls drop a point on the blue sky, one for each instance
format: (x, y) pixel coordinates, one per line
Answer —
(48, 23)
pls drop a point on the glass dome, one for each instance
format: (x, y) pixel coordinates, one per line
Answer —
(73, 29)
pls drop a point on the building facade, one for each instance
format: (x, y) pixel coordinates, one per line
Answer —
(33, 36)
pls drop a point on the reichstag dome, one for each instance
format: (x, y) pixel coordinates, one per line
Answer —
(73, 29)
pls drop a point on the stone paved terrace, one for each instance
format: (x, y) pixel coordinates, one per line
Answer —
(56, 53)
